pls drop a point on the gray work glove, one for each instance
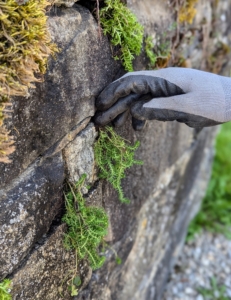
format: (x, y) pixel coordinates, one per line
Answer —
(196, 98)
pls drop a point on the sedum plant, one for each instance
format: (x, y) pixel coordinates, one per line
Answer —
(87, 226)
(113, 156)
(124, 30)
(5, 290)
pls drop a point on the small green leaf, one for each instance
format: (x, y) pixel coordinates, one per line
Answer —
(77, 281)
(118, 260)
(74, 291)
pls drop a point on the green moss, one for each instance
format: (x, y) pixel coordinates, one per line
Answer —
(5, 286)
(25, 45)
(215, 212)
(87, 225)
(113, 156)
(124, 30)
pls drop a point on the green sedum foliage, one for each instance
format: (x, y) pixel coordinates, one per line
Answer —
(215, 213)
(124, 30)
(87, 225)
(113, 156)
(149, 46)
(5, 290)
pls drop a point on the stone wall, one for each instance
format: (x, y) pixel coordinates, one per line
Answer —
(54, 139)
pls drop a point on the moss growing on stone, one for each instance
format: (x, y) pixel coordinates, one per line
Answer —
(124, 30)
(25, 45)
(113, 156)
(87, 226)
(187, 11)
(5, 290)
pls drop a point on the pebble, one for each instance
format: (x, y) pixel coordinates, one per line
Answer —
(200, 260)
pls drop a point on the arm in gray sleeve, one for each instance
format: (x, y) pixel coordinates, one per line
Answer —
(193, 97)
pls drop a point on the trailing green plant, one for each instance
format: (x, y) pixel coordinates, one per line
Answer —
(216, 292)
(113, 156)
(87, 226)
(124, 30)
(5, 286)
(215, 212)
(25, 45)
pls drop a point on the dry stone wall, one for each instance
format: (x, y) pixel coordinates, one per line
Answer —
(54, 139)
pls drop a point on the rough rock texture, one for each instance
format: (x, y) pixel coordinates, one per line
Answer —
(67, 3)
(154, 225)
(67, 95)
(79, 156)
(49, 260)
(54, 139)
(206, 257)
(27, 210)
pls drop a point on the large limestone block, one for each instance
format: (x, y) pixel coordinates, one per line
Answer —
(152, 14)
(81, 69)
(27, 210)
(148, 240)
(161, 145)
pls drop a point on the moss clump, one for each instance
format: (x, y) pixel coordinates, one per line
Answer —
(113, 156)
(187, 11)
(5, 290)
(124, 30)
(25, 45)
(87, 226)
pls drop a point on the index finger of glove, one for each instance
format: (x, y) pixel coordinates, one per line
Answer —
(138, 84)
(105, 117)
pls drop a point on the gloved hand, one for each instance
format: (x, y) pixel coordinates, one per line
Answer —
(196, 98)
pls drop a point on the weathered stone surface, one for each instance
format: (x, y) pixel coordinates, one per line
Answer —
(165, 192)
(144, 233)
(155, 15)
(156, 229)
(67, 3)
(79, 156)
(66, 97)
(50, 260)
(28, 209)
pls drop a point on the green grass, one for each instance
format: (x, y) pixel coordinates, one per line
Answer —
(215, 213)
(216, 292)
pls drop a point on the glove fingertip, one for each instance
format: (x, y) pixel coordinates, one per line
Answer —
(120, 119)
(137, 124)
